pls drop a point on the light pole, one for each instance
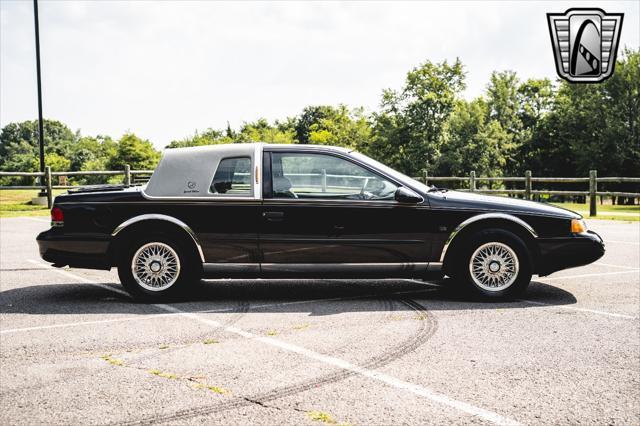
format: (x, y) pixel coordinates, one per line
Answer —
(40, 124)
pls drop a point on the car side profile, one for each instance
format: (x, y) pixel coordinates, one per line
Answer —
(283, 211)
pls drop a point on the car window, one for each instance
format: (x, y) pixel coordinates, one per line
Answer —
(320, 176)
(233, 177)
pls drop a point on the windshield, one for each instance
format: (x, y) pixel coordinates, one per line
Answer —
(393, 173)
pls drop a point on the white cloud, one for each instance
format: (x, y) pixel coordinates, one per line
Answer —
(164, 69)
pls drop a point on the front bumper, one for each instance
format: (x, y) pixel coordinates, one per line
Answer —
(568, 252)
(78, 251)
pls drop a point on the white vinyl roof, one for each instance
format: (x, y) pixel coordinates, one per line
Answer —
(188, 172)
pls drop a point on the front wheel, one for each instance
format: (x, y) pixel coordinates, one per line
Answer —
(156, 268)
(495, 264)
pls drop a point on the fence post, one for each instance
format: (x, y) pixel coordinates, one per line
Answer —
(127, 175)
(593, 187)
(472, 181)
(47, 179)
(527, 184)
(426, 177)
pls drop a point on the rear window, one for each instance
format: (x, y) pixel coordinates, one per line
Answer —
(233, 177)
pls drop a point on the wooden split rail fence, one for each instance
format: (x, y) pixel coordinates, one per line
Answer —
(528, 180)
(136, 177)
(131, 177)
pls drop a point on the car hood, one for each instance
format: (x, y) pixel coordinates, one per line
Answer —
(467, 200)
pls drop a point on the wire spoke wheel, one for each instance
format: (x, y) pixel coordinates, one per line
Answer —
(494, 266)
(155, 266)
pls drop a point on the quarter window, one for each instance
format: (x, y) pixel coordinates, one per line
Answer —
(233, 177)
(319, 176)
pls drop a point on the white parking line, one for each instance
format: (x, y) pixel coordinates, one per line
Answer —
(77, 277)
(622, 242)
(36, 219)
(418, 390)
(611, 265)
(592, 311)
(568, 277)
(81, 323)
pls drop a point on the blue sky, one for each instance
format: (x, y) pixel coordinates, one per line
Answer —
(165, 69)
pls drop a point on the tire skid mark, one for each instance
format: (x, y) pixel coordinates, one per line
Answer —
(427, 327)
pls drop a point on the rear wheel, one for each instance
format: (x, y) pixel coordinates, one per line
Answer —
(157, 267)
(494, 264)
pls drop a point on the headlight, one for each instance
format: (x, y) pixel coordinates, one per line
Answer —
(578, 226)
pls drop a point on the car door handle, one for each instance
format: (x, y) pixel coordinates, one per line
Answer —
(336, 231)
(273, 216)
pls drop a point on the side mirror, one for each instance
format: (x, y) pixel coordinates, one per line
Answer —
(406, 195)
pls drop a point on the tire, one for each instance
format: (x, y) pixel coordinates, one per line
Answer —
(493, 264)
(177, 274)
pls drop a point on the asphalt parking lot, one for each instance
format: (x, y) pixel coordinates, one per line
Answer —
(75, 349)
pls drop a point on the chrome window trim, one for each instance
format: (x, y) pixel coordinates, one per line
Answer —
(329, 202)
(484, 216)
(257, 269)
(154, 216)
(434, 267)
(204, 199)
(357, 162)
(257, 171)
(233, 196)
(339, 268)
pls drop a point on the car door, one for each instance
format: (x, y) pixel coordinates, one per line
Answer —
(228, 223)
(326, 214)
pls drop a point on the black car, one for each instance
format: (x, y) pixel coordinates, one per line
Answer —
(275, 211)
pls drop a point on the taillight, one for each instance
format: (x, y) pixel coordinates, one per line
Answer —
(57, 217)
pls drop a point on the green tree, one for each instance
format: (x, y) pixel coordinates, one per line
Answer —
(262, 131)
(208, 137)
(89, 149)
(472, 140)
(621, 93)
(310, 116)
(408, 129)
(592, 126)
(136, 152)
(504, 104)
(20, 140)
(57, 162)
(341, 127)
(503, 100)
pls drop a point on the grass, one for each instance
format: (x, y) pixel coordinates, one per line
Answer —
(301, 326)
(163, 374)
(214, 389)
(608, 208)
(17, 202)
(319, 416)
(605, 211)
(112, 361)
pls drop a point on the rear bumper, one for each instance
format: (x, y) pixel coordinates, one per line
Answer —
(78, 251)
(569, 252)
